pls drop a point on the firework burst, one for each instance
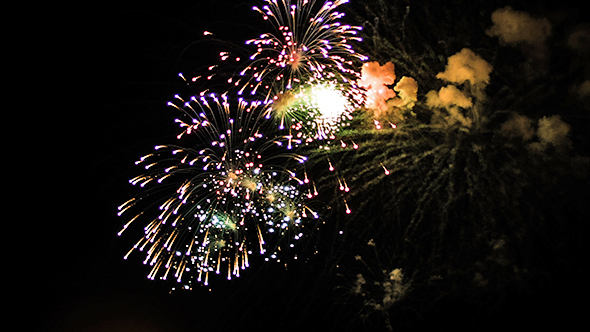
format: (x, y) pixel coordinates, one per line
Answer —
(308, 49)
(308, 45)
(235, 191)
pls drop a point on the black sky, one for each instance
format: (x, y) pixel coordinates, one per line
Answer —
(127, 60)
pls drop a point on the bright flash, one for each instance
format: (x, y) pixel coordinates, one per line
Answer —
(330, 103)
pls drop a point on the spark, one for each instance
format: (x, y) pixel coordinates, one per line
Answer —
(384, 169)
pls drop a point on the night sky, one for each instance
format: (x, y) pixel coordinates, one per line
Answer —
(128, 57)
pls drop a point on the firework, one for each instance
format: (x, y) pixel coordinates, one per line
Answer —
(305, 71)
(309, 48)
(307, 45)
(235, 191)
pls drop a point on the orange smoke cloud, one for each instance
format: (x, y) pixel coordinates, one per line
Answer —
(375, 78)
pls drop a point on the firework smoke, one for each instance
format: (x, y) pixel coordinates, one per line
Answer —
(375, 79)
(466, 66)
(520, 29)
(514, 27)
(442, 174)
(383, 102)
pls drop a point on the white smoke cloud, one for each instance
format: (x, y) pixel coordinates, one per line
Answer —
(579, 39)
(466, 66)
(520, 29)
(583, 90)
(518, 126)
(448, 96)
(513, 27)
(553, 131)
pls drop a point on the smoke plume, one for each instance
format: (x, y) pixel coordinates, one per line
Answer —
(513, 27)
(375, 78)
(466, 66)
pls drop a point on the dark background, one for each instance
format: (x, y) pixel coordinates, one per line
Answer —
(124, 66)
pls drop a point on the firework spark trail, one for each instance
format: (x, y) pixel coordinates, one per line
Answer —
(235, 191)
(414, 174)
